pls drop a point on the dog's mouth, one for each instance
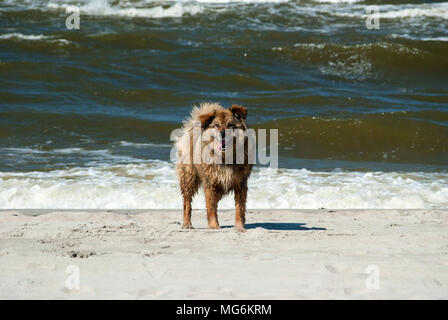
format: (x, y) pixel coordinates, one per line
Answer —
(221, 145)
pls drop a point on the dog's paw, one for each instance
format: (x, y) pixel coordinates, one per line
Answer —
(240, 228)
(213, 225)
(187, 226)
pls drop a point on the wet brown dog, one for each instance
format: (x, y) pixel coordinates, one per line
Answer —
(217, 178)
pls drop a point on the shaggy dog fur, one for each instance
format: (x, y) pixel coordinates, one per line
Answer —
(217, 179)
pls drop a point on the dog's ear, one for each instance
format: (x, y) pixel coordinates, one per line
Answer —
(206, 119)
(239, 111)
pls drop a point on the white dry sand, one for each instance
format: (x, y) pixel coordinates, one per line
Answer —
(285, 254)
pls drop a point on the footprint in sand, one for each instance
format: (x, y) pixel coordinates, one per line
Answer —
(154, 271)
(26, 282)
(5, 252)
(142, 293)
(81, 254)
(332, 269)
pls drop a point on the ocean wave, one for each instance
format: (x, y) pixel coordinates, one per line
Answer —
(104, 8)
(238, 1)
(398, 11)
(419, 38)
(154, 185)
(424, 10)
(31, 37)
(338, 1)
(143, 145)
(401, 137)
(27, 155)
(139, 8)
(367, 61)
(26, 150)
(265, 14)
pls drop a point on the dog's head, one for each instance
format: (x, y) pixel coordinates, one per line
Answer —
(221, 120)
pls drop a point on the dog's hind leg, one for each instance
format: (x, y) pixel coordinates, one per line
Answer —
(240, 208)
(212, 197)
(189, 184)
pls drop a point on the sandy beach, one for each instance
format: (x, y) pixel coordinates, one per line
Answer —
(285, 254)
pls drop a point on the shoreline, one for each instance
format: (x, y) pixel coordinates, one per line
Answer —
(285, 254)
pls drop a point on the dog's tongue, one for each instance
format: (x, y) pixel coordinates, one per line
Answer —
(221, 145)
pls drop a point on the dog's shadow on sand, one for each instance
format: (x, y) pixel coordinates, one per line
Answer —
(284, 226)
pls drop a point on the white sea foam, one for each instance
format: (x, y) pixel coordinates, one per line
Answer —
(134, 8)
(92, 157)
(153, 185)
(144, 145)
(31, 37)
(238, 1)
(424, 10)
(23, 36)
(401, 11)
(338, 1)
(180, 8)
(421, 38)
(104, 8)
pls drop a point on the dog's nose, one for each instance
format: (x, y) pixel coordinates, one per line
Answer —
(223, 134)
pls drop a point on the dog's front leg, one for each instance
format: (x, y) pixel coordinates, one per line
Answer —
(187, 213)
(240, 208)
(212, 197)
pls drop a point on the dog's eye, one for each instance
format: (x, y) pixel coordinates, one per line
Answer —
(216, 125)
(230, 125)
